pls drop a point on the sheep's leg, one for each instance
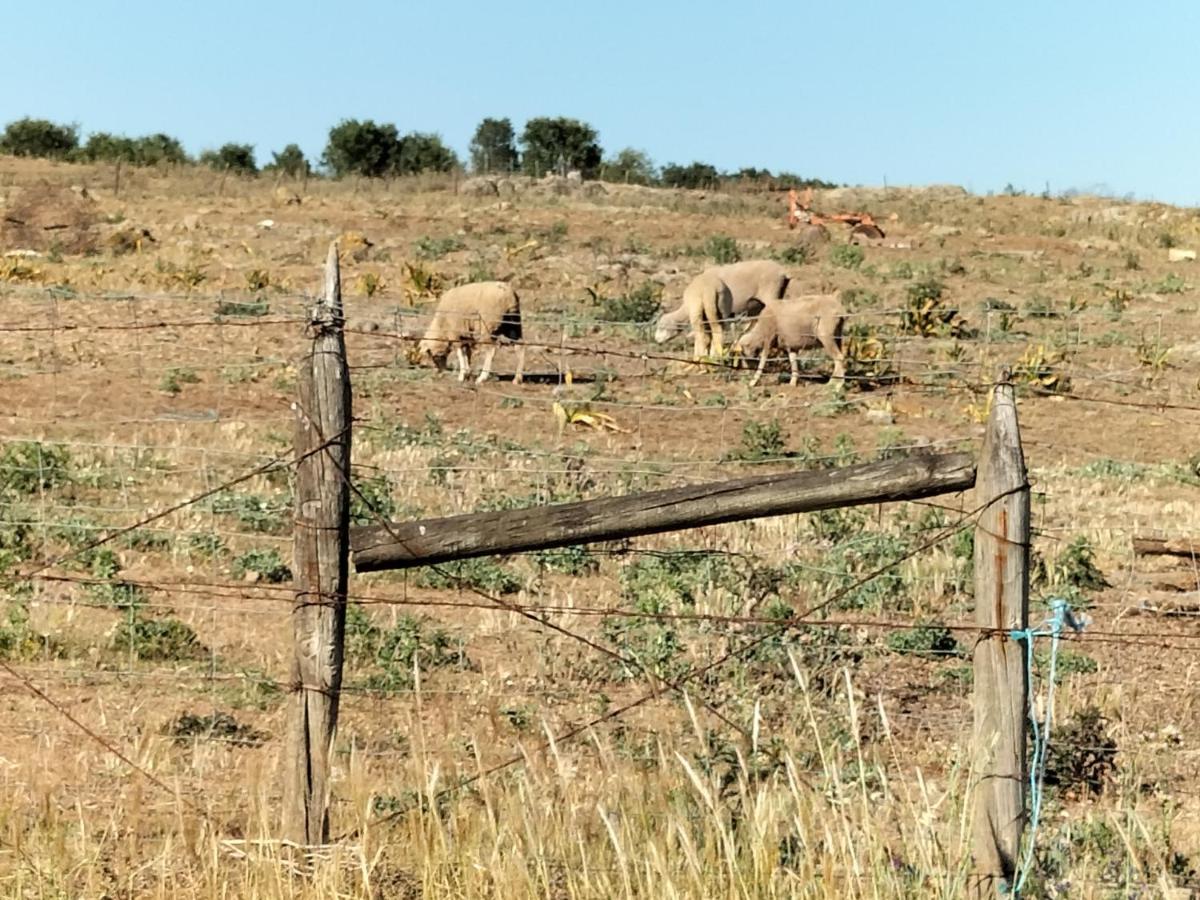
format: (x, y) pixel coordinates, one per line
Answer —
(839, 358)
(464, 362)
(486, 371)
(794, 362)
(519, 376)
(699, 338)
(717, 348)
(764, 355)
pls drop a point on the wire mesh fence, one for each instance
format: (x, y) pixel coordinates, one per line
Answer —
(147, 510)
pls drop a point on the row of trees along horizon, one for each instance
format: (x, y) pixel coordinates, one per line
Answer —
(365, 148)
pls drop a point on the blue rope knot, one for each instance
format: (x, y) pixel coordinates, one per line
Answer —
(1060, 617)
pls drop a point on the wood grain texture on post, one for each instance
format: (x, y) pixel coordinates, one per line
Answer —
(400, 545)
(1001, 677)
(320, 564)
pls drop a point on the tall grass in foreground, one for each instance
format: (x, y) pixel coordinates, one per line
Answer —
(821, 812)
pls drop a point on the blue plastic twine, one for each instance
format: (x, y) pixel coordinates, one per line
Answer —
(1060, 616)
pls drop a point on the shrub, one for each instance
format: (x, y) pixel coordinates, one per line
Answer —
(249, 309)
(723, 249)
(27, 467)
(925, 640)
(255, 512)
(423, 152)
(372, 500)
(847, 256)
(760, 440)
(794, 255)
(376, 150)
(697, 176)
(104, 147)
(216, 726)
(481, 574)
(174, 380)
(39, 138)
(629, 167)
(1076, 567)
(492, 147)
(926, 314)
(398, 650)
(18, 640)
(158, 149)
(861, 555)
(559, 145)
(573, 560)
(436, 248)
(361, 148)
(290, 161)
(157, 639)
(1082, 758)
(677, 578)
(236, 158)
(266, 564)
(642, 304)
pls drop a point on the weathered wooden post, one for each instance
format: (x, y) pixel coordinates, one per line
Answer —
(321, 564)
(1001, 675)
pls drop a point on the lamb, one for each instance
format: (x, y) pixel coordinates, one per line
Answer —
(796, 324)
(706, 303)
(474, 314)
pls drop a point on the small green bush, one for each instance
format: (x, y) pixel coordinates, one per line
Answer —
(435, 248)
(723, 249)
(175, 378)
(19, 641)
(289, 161)
(847, 256)
(795, 255)
(243, 309)
(157, 640)
(760, 440)
(926, 640)
(257, 513)
(481, 574)
(1076, 567)
(372, 500)
(394, 652)
(1082, 758)
(574, 560)
(27, 467)
(216, 726)
(642, 304)
(267, 564)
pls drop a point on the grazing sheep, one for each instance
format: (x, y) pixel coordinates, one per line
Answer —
(752, 283)
(796, 324)
(706, 303)
(474, 314)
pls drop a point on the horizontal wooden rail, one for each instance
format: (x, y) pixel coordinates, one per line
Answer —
(401, 545)
(1186, 547)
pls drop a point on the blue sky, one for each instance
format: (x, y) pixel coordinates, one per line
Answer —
(1077, 94)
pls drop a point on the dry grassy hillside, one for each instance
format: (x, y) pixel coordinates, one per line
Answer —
(146, 346)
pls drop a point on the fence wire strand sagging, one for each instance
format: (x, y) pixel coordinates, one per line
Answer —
(147, 563)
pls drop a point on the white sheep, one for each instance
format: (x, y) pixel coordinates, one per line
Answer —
(470, 315)
(796, 324)
(752, 283)
(706, 303)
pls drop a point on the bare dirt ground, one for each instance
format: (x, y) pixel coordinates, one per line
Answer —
(147, 358)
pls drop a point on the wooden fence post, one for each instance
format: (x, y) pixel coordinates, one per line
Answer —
(1001, 675)
(321, 551)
